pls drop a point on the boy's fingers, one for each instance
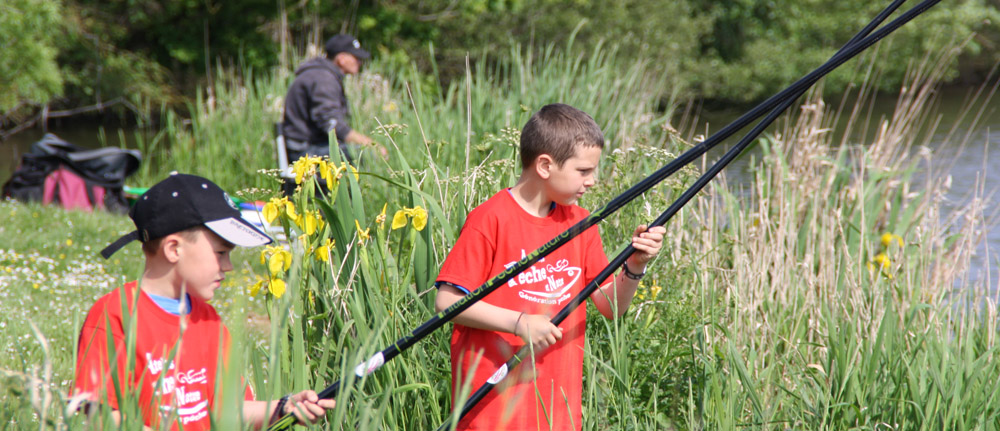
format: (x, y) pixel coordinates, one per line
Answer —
(308, 412)
(548, 341)
(310, 396)
(315, 410)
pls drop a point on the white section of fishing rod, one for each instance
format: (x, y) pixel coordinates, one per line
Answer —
(373, 363)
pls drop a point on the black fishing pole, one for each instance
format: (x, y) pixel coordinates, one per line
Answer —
(501, 373)
(438, 320)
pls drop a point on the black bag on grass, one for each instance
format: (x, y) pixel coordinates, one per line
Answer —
(56, 171)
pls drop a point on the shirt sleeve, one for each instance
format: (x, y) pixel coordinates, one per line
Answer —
(468, 262)
(330, 110)
(93, 367)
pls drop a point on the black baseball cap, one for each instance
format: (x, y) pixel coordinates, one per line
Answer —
(184, 201)
(345, 43)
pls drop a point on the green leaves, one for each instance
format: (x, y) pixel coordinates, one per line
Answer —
(29, 72)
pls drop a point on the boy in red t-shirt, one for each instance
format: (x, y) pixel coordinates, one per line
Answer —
(187, 226)
(560, 149)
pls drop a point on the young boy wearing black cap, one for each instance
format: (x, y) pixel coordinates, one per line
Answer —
(187, 226)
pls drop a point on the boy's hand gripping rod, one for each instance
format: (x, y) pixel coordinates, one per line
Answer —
(390, 352)
(689, 194)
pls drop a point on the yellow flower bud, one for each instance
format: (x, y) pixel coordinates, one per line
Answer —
(882, 260)
(362, 234)
(380, 218)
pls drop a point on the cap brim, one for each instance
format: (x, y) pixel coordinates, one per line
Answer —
(238, 231)
(360, 54)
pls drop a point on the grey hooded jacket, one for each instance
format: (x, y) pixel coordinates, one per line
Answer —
(316, 104)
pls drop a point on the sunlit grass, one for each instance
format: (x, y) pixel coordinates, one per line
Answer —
(777, 306)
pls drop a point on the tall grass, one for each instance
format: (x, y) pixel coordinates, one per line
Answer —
(777, 306)
(840, 297)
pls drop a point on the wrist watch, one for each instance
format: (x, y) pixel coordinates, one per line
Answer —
(630, 274)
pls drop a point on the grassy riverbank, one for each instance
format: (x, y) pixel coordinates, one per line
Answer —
(827, 295)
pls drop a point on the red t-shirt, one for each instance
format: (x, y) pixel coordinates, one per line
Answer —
(545, 389)
(176, 386)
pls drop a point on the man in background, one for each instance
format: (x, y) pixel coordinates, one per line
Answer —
(316, 105)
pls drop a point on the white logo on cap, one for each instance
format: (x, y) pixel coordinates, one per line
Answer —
(230, 201)
(357, 44)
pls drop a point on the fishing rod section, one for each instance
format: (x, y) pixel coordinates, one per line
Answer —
(501, 373)
(438, 320)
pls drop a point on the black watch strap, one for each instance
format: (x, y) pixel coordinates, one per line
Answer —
(630, 274)
(279, 409)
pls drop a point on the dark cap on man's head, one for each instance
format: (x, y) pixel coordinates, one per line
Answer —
(181, 202)
(345, 43)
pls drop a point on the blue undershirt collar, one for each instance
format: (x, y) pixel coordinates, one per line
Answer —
(171, 305)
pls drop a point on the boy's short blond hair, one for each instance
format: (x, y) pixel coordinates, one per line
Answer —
(151, 247)
(558, 130)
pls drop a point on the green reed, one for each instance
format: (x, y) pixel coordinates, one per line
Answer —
(836, 289)
(774, 305)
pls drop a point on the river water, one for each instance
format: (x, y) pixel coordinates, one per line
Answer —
(965, 145)
(977, 163)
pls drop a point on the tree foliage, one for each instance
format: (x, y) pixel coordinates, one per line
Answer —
(74, 52)
(28, 69)
(759, 46)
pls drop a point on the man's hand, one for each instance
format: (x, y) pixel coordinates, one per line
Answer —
(357, 138)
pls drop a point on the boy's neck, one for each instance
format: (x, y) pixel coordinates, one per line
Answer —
(158, 280)
(531, 196)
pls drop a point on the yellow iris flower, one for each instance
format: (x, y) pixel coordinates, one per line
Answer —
(277, 287)
(326, 172)
(419, 218)
(310, 221)
(887, 238)
(274, 207)
(305, 167)
(323, 251)
(398, 220)
(278, 259)
(362, 234)
(255, 289)
(882, 260)
(418, 214)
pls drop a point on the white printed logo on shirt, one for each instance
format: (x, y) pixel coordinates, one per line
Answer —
(546, 283)
(189, 404)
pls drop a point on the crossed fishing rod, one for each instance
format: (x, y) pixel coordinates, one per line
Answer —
(775, 105)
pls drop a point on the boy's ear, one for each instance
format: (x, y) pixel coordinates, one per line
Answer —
(543, 166)
(170, 247)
